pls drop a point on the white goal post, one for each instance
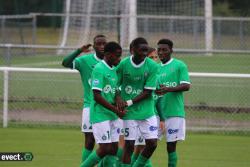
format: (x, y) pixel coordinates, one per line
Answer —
(6, 71)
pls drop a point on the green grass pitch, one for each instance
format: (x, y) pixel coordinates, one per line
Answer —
(62, 148)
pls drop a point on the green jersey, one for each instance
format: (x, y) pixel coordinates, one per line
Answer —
(133, 79)
(172, 74)
(104, 78)
(85, 65)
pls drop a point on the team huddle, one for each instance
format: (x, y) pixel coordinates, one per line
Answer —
(129, 103)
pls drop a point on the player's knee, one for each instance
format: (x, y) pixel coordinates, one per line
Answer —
(89, 140)
(171, 147)
(129, 145)
(151, 144)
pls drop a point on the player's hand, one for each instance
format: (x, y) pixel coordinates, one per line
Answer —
(86, 48)
(120, 113)
(161, 91)
(120, 104)
(162, 126)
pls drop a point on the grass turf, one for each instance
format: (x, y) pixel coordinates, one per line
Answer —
(62, 148)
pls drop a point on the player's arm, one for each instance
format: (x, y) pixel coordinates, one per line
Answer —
(99, 99)
(184, 84)
(146, 93)
(120, 103)
(180, 88)
(68, 60)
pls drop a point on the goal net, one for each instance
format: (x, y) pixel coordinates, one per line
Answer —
(123, 20)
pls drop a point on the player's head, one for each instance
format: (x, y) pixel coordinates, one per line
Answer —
(140, 49)
(131, 47)
(152, 54)
(112, 53)
(164, 49)
(99, 43)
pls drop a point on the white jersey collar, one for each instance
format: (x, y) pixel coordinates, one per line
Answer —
(135, 65)
(104, 62)
(97, 58)
(168, 62)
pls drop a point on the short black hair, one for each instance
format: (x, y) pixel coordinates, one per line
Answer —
(166, 41)
(111, 47)
(131, 45)
(98, 36)
(138, 41)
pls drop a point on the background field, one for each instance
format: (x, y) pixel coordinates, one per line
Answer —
(52, 98)
(62, 147)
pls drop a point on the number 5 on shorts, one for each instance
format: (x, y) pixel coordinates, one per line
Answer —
(126, 132)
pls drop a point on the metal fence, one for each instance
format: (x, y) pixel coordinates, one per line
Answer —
(217, 102)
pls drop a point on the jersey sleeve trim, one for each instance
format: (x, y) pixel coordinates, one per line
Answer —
(150, 88)
(74, 65)
(185, 82)
(95, 88)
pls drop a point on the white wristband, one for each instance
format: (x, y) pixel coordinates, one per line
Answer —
(129, 102)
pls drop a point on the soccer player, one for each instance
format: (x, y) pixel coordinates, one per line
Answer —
(104, 113)
(140, 141)
(85, 63)
(137, 77)
(174, 80)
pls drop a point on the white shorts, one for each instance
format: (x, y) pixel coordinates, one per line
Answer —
(107, 131)
(148, 128)
(140, 139)
(86, 125)
(121, 126)
(175, 129)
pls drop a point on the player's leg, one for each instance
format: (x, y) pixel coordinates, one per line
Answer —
(103, 135)
(149, 130)
(139, 146)
(130, 130)
(121, 143)
(89, 140)
(175, 131)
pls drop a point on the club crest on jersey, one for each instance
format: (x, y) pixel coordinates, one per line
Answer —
(145, 74)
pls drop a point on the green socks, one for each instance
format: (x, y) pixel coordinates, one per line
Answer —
(134, 158)
(149, 163)
(110, 160)
(119, 153)
(172, 159)
(85, 154)
(140, 162)
(91, 161)
(125, 165)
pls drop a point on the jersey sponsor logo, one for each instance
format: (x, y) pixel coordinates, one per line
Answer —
(153, 128)
(130, 90)
(95, 82)
(108, 89)
(172, 131)
(170, 84)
